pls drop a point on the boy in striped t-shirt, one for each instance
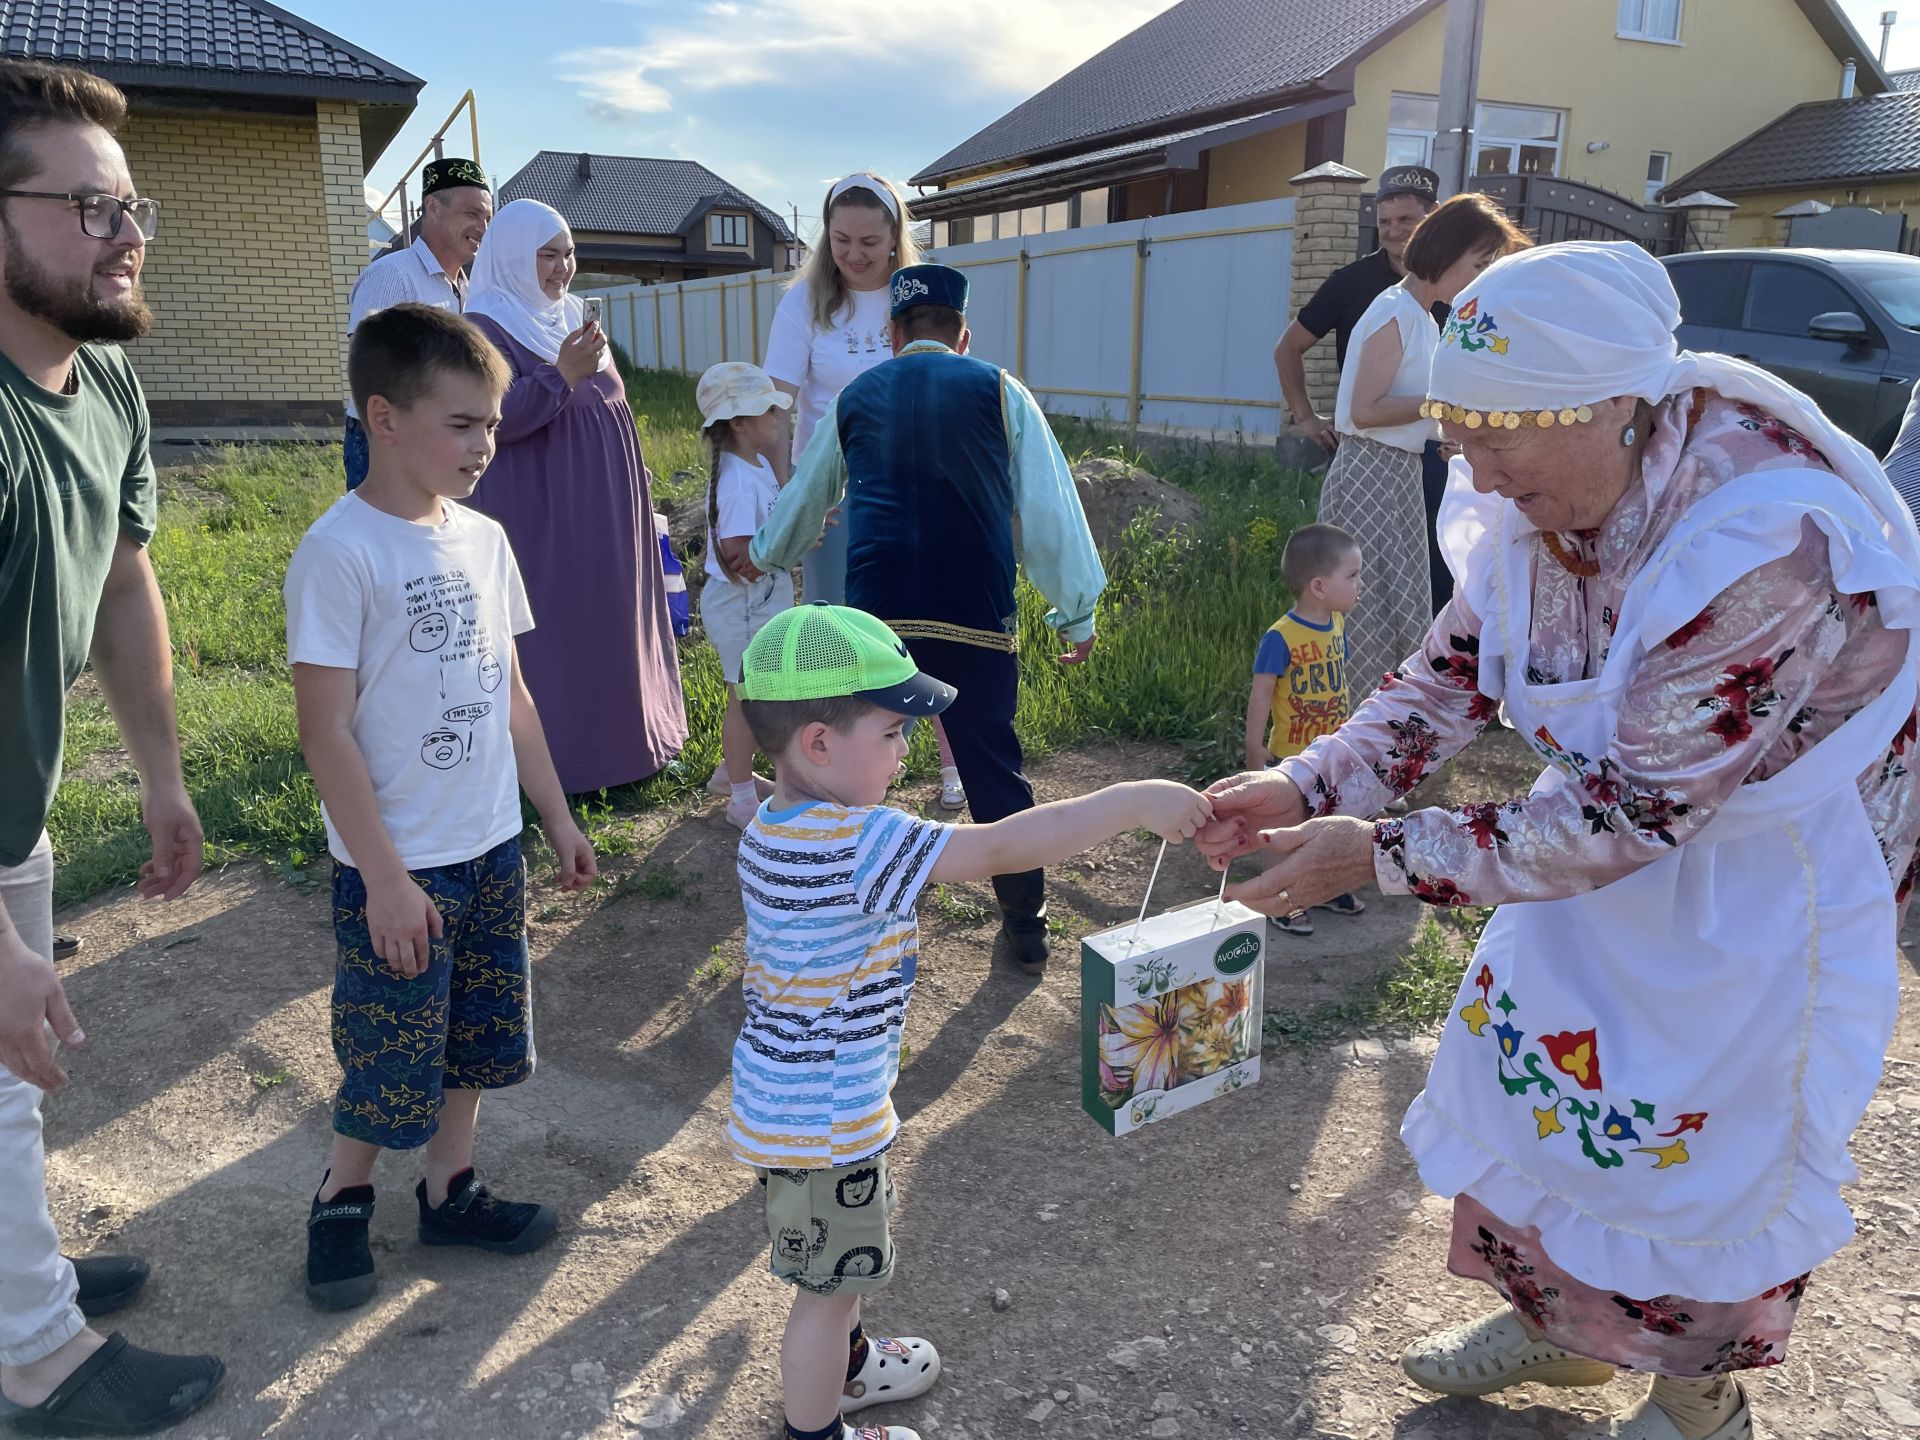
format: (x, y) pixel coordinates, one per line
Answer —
(830, 877)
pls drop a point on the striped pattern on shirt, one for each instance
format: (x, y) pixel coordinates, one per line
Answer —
(832, 943)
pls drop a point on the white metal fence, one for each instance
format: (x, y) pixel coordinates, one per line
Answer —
(1155, 324)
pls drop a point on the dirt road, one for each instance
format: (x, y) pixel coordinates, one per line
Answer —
(1250, 1269)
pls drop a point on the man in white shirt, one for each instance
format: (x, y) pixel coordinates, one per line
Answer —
(455, 206)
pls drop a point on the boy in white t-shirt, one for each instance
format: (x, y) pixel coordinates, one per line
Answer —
(401, 612)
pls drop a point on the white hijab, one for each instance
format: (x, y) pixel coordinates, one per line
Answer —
(1583, 321)
(506, 284)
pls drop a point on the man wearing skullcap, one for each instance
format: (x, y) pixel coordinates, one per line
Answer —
(935, 453)
(456, 204)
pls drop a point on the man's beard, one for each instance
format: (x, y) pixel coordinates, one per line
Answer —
(68, 303)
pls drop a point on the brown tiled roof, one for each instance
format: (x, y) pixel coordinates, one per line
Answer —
(1825, 142)
(629, 194)
(1206, 60)
(248, 46)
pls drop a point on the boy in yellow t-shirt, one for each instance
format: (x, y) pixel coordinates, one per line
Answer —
(1300, 671)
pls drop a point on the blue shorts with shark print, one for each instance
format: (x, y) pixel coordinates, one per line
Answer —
(463, 1023)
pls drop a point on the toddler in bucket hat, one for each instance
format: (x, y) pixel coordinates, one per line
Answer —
(744, 416)
(830, 878)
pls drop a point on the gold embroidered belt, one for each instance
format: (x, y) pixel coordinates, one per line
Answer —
(956, 634)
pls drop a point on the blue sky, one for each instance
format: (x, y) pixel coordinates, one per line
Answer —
(778, 96)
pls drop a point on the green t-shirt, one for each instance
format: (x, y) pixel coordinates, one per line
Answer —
(75, 475)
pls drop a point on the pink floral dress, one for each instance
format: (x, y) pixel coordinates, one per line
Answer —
(1775, 663)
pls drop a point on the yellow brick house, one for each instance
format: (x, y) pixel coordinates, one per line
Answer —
(254, 129)
(1223, 102)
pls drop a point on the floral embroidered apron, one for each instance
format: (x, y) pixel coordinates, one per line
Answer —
(1662, 1075)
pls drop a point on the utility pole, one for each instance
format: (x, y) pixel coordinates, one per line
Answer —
(1453, 147)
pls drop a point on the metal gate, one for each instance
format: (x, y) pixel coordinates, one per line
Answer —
(1551, 209)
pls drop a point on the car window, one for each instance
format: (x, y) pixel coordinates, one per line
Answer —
(1783, 299)
(1896, 287)
(1711, 291)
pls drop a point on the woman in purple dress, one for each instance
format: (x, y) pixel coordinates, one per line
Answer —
(569, 486)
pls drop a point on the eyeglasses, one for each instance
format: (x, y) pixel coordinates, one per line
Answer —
(100, 215)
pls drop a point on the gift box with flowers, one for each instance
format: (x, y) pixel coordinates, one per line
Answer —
(1170, 1013)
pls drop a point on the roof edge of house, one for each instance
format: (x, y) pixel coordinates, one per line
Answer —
(358, 52)
(1690, 181)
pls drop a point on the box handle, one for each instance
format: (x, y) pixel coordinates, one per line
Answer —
(1219, 901)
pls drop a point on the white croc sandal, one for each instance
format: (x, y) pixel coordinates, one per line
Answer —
(895, 1370)
(953, 796)
(878, 1432)
(1492, 1353)
(1647, 1421)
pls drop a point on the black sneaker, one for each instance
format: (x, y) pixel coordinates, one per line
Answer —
(66, 946)
(107, 1282)
(1027, 949)
(1295, 924)
(339, 1264)
(472, 1216)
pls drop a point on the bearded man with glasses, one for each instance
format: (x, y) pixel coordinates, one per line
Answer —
(76, 513)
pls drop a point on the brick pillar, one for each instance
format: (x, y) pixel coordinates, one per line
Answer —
(343, 177)
(1707, 217)
(1326, 235)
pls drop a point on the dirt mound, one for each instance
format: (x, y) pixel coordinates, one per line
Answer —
(1112, 492)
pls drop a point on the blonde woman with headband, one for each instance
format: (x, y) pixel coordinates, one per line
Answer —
(832, 326)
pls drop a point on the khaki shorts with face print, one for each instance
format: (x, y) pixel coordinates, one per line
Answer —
(830, 1228)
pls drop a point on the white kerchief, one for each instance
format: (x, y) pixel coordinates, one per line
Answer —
(506, 285)
(1561, 326)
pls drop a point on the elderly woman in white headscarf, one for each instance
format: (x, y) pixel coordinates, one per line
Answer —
(571, 489)
(1695, 598)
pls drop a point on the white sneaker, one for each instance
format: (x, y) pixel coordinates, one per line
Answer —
(1647, 1421)
(878, 1432)
(740, 813)
(895, 1370)
(1492, 1353)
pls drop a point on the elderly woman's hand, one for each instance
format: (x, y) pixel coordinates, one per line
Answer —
(1243, 806)
(1318, 860)
(580, 353)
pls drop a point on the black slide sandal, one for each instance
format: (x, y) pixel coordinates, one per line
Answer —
(108, 1282)
(121, 1389)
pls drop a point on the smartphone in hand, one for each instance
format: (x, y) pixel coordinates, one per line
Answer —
(594, 305)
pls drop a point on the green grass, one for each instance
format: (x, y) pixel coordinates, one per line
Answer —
(1177, 625)
(1413, 994)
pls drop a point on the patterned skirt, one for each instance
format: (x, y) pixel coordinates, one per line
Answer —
(1374, 493)
(1665, 1335)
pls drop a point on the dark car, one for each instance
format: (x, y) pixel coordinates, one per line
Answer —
(1842, 325)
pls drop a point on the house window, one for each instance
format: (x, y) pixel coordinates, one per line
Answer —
(1659, 163)
(962, 233)
(1093, 207)
(939, 234)
(1517, 140)
(1657, 20)
(1508, 139)
(1057, 216)
(1008, 227)
(1033, 221)
(727, 230)
(1411, 123)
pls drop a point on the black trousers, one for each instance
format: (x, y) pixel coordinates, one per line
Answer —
(979, 726)
(1433, 480)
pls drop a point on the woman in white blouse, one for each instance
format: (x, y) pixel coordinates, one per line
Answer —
(1373, 487)
(831, 327)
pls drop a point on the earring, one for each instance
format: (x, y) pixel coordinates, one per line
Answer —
(1628, 436)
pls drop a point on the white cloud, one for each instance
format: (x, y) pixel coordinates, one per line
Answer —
(1010, 46)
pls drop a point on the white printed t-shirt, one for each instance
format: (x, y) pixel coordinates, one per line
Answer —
(1419, 339)
(425, 616)
(746, 492)
(832, 946)
(823, 362)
